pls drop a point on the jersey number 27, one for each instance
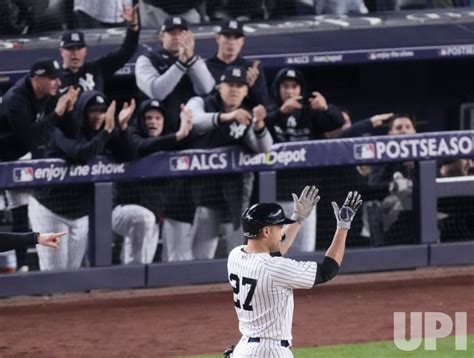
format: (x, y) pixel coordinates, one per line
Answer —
(245, 281)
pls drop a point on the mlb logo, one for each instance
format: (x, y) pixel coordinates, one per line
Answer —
(22, 175)
(364, 151)
(179, 163)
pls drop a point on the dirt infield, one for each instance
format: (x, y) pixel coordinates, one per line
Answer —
(201, 319)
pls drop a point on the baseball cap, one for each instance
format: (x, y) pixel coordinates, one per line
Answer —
(45, 67)
(291, 74)
(173, 22)
(72, 39)
(231, 27)
(152, 104)
(234, 74)
(97, 102)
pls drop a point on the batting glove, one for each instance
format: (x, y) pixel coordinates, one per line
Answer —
(305, 203)
(345, 214)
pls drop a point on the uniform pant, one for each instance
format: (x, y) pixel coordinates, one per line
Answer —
(265, 348)
(305, 240)
(137, 225)
(177, 243)
(72, 247)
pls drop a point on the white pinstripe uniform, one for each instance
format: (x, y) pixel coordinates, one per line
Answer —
(263, 296)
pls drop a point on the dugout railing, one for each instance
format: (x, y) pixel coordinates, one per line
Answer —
(424, 149)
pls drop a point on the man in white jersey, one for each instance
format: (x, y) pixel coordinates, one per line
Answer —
(263, 280)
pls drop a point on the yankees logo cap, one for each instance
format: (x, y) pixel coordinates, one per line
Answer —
(72, 39)
(234, 74)
(45, 67)
(231, 27)
(174, 22)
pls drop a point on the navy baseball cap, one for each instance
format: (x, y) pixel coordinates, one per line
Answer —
(72, 39)
(153, 104)
(46, 67)
(290, 73)
(174, 22)
(234, 74)
(99, 101)
(231, 27)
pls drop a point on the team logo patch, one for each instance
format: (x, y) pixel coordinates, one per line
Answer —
(23, 175)
(364, 151)
(291, 73)
(180, 163)
(236, 72)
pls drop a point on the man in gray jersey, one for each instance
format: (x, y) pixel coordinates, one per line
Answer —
(263, 280)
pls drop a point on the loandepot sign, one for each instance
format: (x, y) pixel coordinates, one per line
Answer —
(284, 157)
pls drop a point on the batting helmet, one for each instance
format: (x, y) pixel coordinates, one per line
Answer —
(260, 215)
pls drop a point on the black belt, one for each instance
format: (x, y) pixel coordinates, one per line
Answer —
(283, 342)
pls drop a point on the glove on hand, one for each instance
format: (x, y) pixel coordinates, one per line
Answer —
(345, 215)
(305, 203)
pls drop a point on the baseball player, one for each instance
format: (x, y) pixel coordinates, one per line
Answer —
(263, 280)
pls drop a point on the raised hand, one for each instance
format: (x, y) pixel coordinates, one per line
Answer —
(130, 16)
(110, 117)
(318, 102)
(252, 73)
(186, 124)
(303, 206)
(379, 119)
(291, 104)
(259, 113)
(345, 215)
(73, 95)
(187, 49)
(126, 113)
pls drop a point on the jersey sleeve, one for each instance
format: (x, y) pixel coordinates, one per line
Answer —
(289, 273)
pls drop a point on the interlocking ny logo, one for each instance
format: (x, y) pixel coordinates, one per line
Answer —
(237, 130)
(437, 325)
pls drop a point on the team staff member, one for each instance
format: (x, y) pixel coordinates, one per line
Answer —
(224, 119)
(175, 73)
(93, 75)
(153, 199)
(263, 280)
(299, 118)
(28, 114)
(230, 41)
(67, 207)
(29, 111)
(11, 241)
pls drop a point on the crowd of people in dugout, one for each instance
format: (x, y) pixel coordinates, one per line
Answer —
(61, 111)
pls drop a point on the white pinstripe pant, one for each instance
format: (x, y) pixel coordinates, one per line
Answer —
(266, 348)
(137, 225)
(72, 247)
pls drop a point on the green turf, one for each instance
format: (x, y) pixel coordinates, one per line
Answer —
(445, 349)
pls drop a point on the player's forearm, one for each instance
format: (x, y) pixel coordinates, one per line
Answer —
(338, 246)
(290, 232)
